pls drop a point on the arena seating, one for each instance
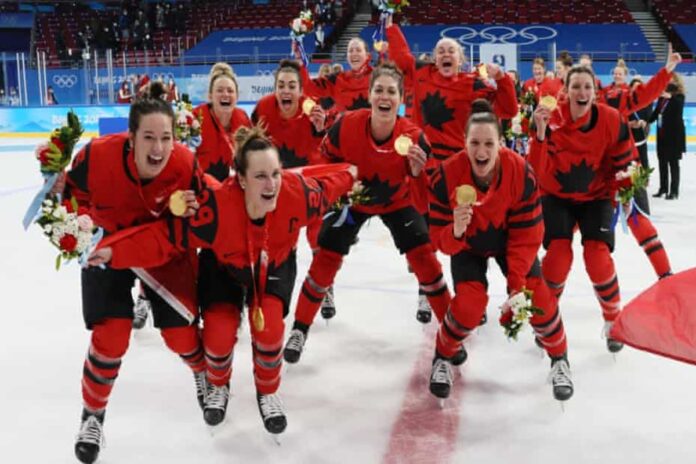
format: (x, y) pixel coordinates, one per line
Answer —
(678, 18)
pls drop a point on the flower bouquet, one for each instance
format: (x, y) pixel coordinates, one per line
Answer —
(393, 6)
(387, 8)
(187, 126)
(299, 27)
(517, 134)
(517, 311)
(634, 178)
(54, 156)
(67, 227)
(357, 196)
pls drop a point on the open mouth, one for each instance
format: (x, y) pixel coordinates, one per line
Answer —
(447, 65)
(225, 103)
(481, 162)
(384, 108)
(286, 103)
(154, 160)
(268, 196)
(582, 102)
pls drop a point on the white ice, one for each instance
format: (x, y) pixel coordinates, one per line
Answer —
(344, 397)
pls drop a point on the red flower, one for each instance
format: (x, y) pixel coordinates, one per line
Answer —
(525, 125)
(189, 120)
(82, 210)
(43, 156)
(625, 183)
(68, 242)
(58, 143)
(396, 2)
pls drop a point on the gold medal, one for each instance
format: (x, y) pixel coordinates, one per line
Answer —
(483, 71)
(378, 45)
(177, 203)
(465, 194)
(257, 319)
(308, 105)
(402, 144)
(548, 102)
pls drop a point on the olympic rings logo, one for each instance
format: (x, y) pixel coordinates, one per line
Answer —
(164, 76)
(499, 34)
(64, 80)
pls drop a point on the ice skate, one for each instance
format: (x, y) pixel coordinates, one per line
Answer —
(441, 378)
(90, 438)
(328, 307)
(560, 379)
(614, 346)
(142, 307)
(201, 382)
(424, 314)
(216, 404)
(459, 357)
(294, 346)
(272, 414)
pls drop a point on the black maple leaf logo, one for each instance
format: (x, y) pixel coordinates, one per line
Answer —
(326, 103)
(220, 170)
(359, 102)
(289, 158)
(577, 179)
(378, 191)
(435, 111)
(488, 241)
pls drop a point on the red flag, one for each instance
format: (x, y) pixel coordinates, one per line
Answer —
(662, 319)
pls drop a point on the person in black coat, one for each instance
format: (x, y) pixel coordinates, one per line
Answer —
(671, 136)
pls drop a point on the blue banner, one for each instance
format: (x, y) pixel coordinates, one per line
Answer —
(688, 34)
(623, 38)
(16, 20)
(256, 42)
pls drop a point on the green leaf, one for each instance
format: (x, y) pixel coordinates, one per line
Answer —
(58, 259)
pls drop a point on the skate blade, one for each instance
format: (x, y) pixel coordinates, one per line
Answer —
(327, 322)
(562, 403)
(275, 438)
(441, 403)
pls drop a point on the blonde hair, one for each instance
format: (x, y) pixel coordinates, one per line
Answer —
(221, 70)
(460, 50)
(679, 82)
(324, 70)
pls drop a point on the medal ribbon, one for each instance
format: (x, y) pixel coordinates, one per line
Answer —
(260, 289)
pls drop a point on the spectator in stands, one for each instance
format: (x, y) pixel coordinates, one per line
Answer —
(159, 16)
(319, 38)
(124, 25)
(13, 97)
(125, 96)
(50, 96)
(671, 136)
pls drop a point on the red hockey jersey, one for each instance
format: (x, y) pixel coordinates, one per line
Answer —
(442, 105)
(104, 179)
(506, 221)
(384, 174)
(216, 152)
(628, 100)
(223, 225)
(578, 160)
(296, 138)
(348, 89)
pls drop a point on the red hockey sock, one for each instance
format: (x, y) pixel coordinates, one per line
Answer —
(548, 327)
(221, 321)
(267, 346)
(320, 277)
(428, 271)
(465, 312)
(108, 345)
(186, 342)
(556, 265)
(645, 233)
(600, 268)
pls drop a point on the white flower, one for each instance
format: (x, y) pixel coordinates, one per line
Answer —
(516, 127)
(85, 223)
(47, 228)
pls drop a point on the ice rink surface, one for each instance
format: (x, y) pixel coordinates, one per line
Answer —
(359, 394)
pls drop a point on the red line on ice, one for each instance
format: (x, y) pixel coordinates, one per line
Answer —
(423, 432)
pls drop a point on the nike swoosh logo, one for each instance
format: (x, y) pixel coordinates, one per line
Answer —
(603, 229)
(272, 277)
(408, 223)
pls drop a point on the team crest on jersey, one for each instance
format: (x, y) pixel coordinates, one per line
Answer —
(577, 179)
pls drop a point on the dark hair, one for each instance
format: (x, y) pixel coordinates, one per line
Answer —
(249, 139)
(290, 66)
(388, 68)
(151, 101)
(565, 58)
(635, 80)
(580, 70)
(482, 113)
